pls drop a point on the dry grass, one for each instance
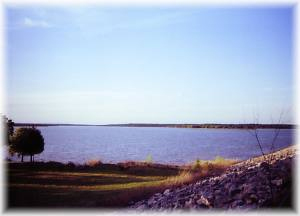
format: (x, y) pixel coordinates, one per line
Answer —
(208, 166)
(181, 179)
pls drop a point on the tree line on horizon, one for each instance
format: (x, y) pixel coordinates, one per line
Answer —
(229, 126)
(207, 125)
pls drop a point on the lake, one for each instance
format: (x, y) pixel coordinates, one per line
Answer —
(164, 145)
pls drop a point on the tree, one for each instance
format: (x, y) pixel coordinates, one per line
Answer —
(254, 132)
(9, 128)
(27, 141)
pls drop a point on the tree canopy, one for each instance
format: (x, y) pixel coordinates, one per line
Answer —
(27, 141)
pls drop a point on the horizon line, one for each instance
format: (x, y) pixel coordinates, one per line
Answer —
(132, 123)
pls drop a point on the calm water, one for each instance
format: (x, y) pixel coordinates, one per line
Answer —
(165, 145)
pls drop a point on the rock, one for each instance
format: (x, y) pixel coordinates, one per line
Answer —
(218, 191)
(261, 174)
(248, 188)
(253, 197)
(151, 201)
(189, 203)
(210, 198)
(203, 201)
(248, 201)
(166, 192)
(220, 200)
(227, 186)
(277, 182)
(263, 165)
(242, 186)
(142, 207)
(131, 203)
(176, 206)
(237, 203)
(251, 206)
(238, 196)
(233, 190)
(262, 202)
(250, 169)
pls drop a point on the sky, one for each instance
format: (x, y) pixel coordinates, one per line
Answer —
(101, 65)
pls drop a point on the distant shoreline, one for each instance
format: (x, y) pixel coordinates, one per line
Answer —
(213, 126)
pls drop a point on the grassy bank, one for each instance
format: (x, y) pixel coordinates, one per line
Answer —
(95, 184)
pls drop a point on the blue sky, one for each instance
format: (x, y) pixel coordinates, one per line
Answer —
(102, 65)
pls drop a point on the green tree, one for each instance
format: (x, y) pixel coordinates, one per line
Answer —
(27, 141)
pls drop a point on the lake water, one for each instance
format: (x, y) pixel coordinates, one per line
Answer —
(164, 145)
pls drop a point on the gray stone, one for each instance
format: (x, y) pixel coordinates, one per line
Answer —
(253, 197)
(218, 191)
(151, 201)
(264, 165)
(248, 188)
(167, 191)
(227, 186)
(142, 207)
(203, 201)
(189, 203)
(237, 203)
(242, 186)
(233, 190)
(277, 182)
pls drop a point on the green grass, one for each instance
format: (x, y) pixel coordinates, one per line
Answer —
(103, 185)
(98, 185)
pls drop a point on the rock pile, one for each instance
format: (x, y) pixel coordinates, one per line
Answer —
(251, 184)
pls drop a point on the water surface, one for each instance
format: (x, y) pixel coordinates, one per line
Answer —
(164, 145)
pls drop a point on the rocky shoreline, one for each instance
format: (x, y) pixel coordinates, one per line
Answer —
(260, 182)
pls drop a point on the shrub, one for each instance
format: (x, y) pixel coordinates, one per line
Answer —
(197, 165)
(149, 159)
(207, 166)
(71, 165)
(93, 163)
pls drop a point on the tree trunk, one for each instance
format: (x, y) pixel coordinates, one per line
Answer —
(22, 158)
(30, 158)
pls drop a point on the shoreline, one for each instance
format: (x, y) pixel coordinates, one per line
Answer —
(54, 184)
